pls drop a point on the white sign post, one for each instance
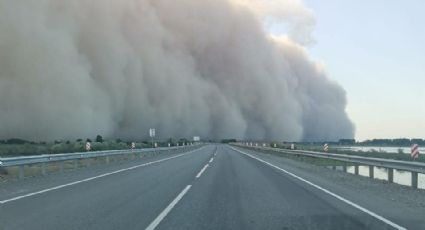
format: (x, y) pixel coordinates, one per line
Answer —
(292, 146)
(152, 135)
(133, 145)
(196, 138)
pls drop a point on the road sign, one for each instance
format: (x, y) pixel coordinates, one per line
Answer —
(88, 146)
(133, 145)
(264, 144)
(325, 147)
(196, 138)
(152, 132)
(414, 151)
(292, 146)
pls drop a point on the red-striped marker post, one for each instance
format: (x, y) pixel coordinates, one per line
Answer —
(414, 151)
(325, 147)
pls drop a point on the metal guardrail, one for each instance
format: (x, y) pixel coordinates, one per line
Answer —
(51, 158)
(413, 167)
(24, 160)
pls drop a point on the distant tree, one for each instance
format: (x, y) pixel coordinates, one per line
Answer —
(88, 140)
(228, 140)
(57, 142)
(346, 141)
(67, 142)
(79, 140)
(118, 140)
(99, 138)
(16, 141)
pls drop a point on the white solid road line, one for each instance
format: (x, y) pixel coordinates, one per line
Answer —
(164, 213)
(202, 171)
(396, 226)
(211, 160)
(92, 178)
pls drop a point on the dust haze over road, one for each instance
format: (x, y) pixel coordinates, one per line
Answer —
(79, 68)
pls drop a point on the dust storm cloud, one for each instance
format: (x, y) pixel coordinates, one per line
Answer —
(77, 68)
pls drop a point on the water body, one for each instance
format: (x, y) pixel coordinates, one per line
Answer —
(379, 149)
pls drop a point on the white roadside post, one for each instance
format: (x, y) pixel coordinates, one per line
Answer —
(274, 145)
(156, 145)
(169, 145)
(326, 147)
(133, 145)
(292, 146)
(88, 146)
(415, 154)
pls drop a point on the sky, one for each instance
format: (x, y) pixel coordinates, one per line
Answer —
(376, 51)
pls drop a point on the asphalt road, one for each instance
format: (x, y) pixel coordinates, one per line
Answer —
(214, 187)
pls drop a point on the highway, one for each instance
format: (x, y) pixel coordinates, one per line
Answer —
(213, 187)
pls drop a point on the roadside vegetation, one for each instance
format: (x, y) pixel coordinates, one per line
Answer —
(19, 147)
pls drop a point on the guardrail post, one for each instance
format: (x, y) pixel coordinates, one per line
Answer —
(414, 179)
(43, 168)
(390, 175)
(371, 171)
(21, 171)
(356, 169)
(61, 166)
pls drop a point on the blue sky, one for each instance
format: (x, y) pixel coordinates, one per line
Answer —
(376, 51)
